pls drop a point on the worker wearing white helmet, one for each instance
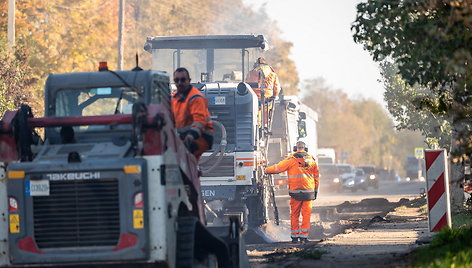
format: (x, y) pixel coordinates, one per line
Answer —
(303, 182)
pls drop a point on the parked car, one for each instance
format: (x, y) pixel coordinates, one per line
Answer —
(357, 181)
(330, 177)
(345, 170)
(371, 174)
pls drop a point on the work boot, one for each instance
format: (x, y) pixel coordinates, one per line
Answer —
(294, 239)
(303, 240)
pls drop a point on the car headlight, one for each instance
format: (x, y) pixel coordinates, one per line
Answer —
(407, 179)
(372, 177)
(362, 180)
(336, 180)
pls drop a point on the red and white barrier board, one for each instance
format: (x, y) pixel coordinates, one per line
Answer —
(437, 181)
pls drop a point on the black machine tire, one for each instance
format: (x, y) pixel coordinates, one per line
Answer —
(196, 246)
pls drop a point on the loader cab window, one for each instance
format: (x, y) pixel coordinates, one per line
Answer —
(94, 101)
(160, 90)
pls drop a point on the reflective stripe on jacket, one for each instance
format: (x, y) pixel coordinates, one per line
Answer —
(303, 174)
(191, 112)
(265, 77)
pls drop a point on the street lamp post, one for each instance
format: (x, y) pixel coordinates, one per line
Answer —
(11, 23)
(121, 32)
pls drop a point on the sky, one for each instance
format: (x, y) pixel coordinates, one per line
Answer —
(323, 45)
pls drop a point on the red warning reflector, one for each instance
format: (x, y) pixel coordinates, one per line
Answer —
(126, 241)
(28, 244)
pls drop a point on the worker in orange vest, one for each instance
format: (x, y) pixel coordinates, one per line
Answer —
(303, 182)
(191, 115)
(265, 77)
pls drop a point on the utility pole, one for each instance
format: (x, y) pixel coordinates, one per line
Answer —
(121, 33)
(11, 24)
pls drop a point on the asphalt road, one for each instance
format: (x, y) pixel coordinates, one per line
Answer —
(391, 190)
(327, 219)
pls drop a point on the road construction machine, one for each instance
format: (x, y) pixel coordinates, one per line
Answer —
(107, 182)
(233, 181)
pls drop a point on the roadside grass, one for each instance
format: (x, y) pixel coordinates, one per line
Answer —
(462, 220)
(449, 248)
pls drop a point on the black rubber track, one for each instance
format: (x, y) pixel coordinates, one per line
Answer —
(194, 241)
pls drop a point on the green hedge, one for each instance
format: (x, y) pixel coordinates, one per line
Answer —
(449, 248)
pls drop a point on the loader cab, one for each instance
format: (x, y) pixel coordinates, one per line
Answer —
(209, 58)
(100, 93)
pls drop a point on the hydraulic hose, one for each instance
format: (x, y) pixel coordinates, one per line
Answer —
(221, 150)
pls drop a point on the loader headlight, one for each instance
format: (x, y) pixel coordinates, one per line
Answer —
(132, 169)
(350, 182)
(372, 177)
(16, 174)
(336, 180)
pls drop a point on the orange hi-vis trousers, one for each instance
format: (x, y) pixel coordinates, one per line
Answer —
(296, 207)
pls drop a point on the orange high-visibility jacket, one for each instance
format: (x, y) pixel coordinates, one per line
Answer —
(266, 78)
(191, 112)
(302, 171)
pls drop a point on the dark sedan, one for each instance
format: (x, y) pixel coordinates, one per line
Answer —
(371, 174)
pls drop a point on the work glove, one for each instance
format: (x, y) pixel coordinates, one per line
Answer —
(188, 137)
(190, 144)
(316, 194)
